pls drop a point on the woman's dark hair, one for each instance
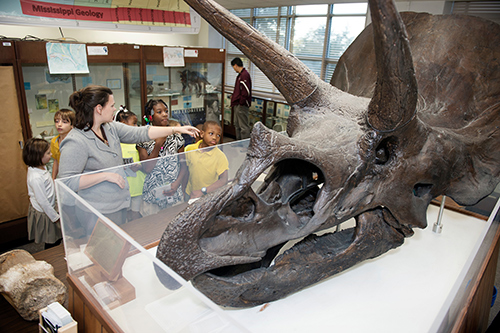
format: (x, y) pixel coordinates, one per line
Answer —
(33, 152)
(151, 103)
(84, 101)
(124, 115)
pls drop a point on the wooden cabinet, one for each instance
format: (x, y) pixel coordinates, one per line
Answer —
(13, 192)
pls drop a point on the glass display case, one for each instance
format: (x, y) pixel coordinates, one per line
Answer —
(135, 74)
(273, 114)
(427, 281)
(46, 93)
(115, 265)
(193, 93)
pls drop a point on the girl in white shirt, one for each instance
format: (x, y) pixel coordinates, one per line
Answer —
(43, 219)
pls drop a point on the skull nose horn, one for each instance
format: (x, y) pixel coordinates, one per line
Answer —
(293, 79)
(395, 97)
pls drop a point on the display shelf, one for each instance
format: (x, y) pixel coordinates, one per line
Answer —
(192, 93)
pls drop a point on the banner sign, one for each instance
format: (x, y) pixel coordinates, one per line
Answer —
(110, 13)
(153, 16)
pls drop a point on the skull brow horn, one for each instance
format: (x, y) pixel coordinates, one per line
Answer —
(395, 97)
(279, 65)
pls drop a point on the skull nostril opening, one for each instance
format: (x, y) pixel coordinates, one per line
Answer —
(243, 209)
(420, 190)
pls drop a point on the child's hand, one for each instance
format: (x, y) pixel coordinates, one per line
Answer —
(172, 191)
(135, 167)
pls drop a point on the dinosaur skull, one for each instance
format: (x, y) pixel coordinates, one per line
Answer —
(377, 150)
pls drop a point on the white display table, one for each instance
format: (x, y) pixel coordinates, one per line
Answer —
(407, 289)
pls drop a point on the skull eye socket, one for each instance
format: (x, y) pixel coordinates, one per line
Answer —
(385, 150)
(289, 180)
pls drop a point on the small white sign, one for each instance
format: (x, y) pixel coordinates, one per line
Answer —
(173, 56)
(6, 44)
(191, 53)
(97, 50)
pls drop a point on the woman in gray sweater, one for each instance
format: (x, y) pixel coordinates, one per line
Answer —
(94, 145)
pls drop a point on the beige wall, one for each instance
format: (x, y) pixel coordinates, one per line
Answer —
(100, 36)
(435, 7)
(432, 7)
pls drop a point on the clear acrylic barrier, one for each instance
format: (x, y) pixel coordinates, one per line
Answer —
(426, 277)
(116, 264)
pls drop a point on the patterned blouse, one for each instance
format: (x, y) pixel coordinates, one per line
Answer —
(165, 172)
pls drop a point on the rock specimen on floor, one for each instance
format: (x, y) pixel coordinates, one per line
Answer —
(29, 285)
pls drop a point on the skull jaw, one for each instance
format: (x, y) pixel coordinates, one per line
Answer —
(313, 259)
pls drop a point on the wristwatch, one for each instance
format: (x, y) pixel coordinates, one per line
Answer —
(204, 190)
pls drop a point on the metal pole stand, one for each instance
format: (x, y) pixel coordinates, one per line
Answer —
(438, 226)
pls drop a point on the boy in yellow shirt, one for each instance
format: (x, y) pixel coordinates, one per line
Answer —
(208, 167)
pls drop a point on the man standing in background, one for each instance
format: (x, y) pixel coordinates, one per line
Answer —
(241, 100)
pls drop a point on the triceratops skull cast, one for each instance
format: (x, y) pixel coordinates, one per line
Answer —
(372, 151)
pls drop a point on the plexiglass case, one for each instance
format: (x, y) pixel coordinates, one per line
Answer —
(116, 264)
(421, 286)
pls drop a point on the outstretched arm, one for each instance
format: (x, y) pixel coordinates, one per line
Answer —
(156, 132)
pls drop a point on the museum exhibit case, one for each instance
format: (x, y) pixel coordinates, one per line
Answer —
(134, 73)
(47, 93)
(273, 113)
(193, 93)
(434, 282)
(42, 93)
(107, 263)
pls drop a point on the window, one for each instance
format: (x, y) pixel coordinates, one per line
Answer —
(489, 10)
(303, 31)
